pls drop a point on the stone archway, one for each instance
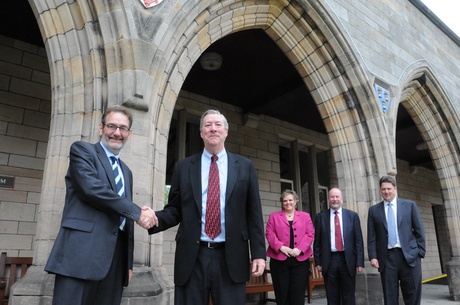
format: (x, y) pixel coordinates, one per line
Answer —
(323, 59)
(429, 106)
(319, 52)
(100, 56)
(95, 61)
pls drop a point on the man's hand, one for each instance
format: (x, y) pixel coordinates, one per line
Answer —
(148, 218)
(374, 263)
(258, 266)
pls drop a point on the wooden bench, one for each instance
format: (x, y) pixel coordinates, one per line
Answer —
(258, 284)
(314, 279)
(15, 265)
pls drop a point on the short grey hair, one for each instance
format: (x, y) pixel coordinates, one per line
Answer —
(213, 111)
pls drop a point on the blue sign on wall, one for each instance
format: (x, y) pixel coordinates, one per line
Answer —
(383, 96)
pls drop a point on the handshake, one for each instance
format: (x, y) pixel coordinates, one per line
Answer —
(148, 218)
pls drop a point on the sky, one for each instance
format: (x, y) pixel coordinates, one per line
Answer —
(447, 11)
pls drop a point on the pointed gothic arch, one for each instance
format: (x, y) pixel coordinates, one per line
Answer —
(317, 48)
(437, 121)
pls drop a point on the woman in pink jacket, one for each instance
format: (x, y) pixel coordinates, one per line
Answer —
(290, 235)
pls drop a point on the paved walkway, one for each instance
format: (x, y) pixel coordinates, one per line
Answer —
(431, 294)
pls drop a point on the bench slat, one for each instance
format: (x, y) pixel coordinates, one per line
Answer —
(315, 278)
(258, 284)
(15, 264)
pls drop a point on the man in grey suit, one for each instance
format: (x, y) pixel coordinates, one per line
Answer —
(208, 262)
(396, 244)
(338, 250)
(92, 256)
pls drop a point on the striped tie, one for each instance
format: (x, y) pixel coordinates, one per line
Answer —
(119, 184)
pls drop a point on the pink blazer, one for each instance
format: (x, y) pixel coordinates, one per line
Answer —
(278, 234)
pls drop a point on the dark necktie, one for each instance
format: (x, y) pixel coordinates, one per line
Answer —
(338, 233)
(119, 184)
(212, 225)
(391, 226)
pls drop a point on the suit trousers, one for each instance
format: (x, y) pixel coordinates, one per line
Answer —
(398, 272)
(210, 278)
(108, 291)
(339, 284)
(290, 279)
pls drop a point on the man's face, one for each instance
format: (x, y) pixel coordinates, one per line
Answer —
(115, 139)
(335, 199)
(388, 191)
(213, 133)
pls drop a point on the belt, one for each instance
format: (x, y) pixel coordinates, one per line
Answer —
(212, 245)
(396, 249)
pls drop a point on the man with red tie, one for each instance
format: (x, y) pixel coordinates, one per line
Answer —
(338, 250)
(214, 196)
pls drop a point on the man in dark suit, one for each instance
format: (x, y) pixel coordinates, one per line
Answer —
(396, 252)
(338, 250)
(214, 264)
(92, 256)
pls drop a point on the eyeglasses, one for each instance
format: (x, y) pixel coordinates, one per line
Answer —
(113, 128)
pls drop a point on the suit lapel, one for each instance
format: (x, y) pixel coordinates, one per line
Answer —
(106, 164)
(232, 175)
(400, 211)
(195, 179)
(296, 217)
(381, 211)
(327, 224)
(344, 221)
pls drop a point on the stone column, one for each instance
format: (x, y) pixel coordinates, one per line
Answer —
(87, 76)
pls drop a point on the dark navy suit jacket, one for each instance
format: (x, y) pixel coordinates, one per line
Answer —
(352, 239)
(85, 244)
(410, 231)
(243, 217)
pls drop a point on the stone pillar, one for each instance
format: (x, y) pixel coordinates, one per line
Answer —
(453, 278)
(93, 67)
(368, 287)
(150, 284)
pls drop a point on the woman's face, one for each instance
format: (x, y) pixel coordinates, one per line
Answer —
(289, 203)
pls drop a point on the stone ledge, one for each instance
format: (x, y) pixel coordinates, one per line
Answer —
(148, 286)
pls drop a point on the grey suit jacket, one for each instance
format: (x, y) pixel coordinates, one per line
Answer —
(410, 231)
(87, 237)
(352, 238)
(243, 217)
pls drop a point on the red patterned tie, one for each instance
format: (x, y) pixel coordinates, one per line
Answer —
(212, 226)
(338, 233)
